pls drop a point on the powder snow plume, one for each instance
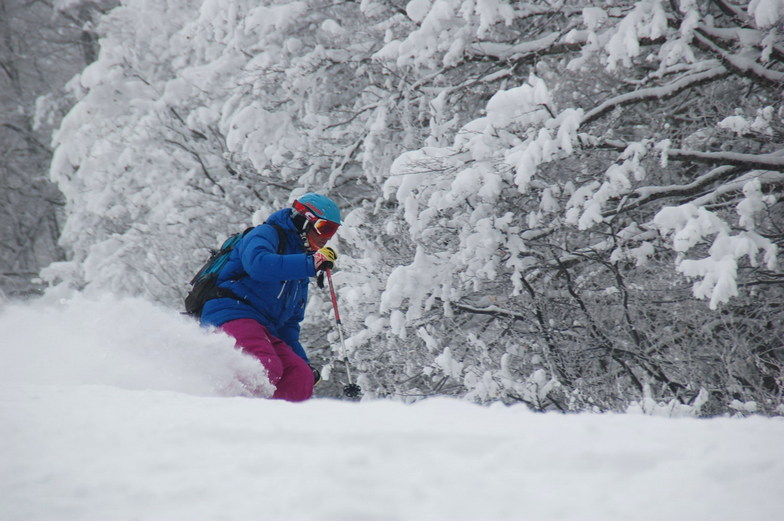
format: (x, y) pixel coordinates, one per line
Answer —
(123, 342)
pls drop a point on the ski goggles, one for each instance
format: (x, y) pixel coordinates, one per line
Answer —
(324, 227)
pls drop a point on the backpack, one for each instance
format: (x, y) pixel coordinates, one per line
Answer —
(205, 282)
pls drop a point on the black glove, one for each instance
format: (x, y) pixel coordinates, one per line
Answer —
(323, 260)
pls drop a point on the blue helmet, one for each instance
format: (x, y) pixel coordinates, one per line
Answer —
(321, 206)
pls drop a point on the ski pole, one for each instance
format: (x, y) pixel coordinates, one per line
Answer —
(352, 390)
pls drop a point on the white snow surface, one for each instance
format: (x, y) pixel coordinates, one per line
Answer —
(118, 409)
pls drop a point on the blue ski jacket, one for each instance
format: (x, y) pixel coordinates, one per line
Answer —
(273, 287)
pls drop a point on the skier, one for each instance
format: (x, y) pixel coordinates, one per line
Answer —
(270, 290)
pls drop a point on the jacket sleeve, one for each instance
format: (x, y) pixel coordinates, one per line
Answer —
(261, 261)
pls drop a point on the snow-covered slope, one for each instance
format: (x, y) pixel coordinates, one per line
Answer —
(121, 410)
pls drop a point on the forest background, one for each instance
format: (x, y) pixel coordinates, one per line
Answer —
(571, 204)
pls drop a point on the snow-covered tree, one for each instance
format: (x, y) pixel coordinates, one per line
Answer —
(562, 203)
(614, 146)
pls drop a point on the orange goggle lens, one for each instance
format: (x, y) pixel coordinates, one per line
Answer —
(325, 227)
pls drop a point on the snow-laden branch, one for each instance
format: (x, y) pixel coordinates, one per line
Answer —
(741, 65)
(743, 20)
(644, 195)
(505, 51)
(742, 37)
(765, 178)
(660, 92)
(489, 310)
(549, 44)
(724, 180)
(769, 161)
(772, 161)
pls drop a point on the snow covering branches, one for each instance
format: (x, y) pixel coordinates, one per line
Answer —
(539, 196)
(528, 192)
(520, 132)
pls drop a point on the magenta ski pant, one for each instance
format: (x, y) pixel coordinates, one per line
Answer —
(290, 374)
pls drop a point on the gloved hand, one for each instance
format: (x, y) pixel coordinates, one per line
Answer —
(324, 259)
(316, 375)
